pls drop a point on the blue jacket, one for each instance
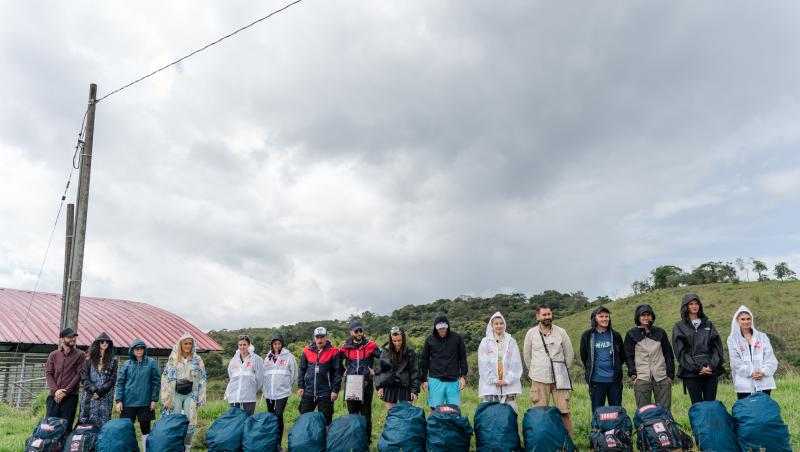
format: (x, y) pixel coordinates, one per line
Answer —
(139, 383)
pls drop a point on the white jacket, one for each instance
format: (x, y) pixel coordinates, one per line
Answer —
(279, 376)
(245, 378)
(488, 354)
(745, 360)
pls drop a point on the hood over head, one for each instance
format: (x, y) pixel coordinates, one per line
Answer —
(641, 309)
(176, 349)
(736, 331)
(104, 337)
(277, 337)
(490, 330)
(598, 311)
(441, 318)
(688, 298)
(137, 342)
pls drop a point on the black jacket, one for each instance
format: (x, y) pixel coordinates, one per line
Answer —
(639, 333)
(320, 371)
(587, 349)
(696, 348)
(404, 374)
(110, 371)
(444, 358)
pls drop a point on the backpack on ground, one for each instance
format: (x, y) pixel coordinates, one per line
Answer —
(713, 427)
(612, 430)
(82, 438)
(657, 431)
(225, 434)
(308, 433)
(117, 435)
(168, 433)
(448, 430)
(348, 434)
(544, 431)
(404, 429)
(48, 435)
(759, 425)
(496, 428)
(261, 433)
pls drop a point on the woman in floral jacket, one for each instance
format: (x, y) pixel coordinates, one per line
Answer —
(183, 383)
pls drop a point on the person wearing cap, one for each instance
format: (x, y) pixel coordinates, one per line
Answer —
(138, 387)
(279, 375)
(320, 376)
(698, 347)
(602, 353)
(443, 364)
(98, 377)
(244, 374)
(358, 355)
(499, 364)
(63, 375)
(397, 375)
(651, 363)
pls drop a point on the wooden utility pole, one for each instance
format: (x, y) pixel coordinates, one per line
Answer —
(67, 261)
(76, 267)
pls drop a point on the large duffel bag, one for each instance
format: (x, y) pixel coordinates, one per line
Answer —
(448, 430)
(82, 438)
(117, 435)
(496, 428)
(168, 433)
(308, 433)
(225, 434)
(48, 435)
(348, 434)
(404, 429)
(656, 430)
(261, 433)
(759, 424)
(544, 431)
(612, 430)
(713, 427)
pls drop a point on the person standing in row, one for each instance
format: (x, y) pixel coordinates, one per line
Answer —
(320, 376)
(244, 373)
(358, 355)
(443, 364)
(138, 387)
(98, 377)
(499, 364)
(651, 363)
(753, 363)
(602, 353)
(183, 384)
(279, 375)
(397, 376)
(63, 375)
(549, 356)
(699, 351)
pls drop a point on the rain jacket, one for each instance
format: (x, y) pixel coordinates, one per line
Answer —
(558, 344)
(696, 347)
(110, 371)
(444, 358)
(170, 376)
(488, 355)
(637, 334)
(747, 358)
(245, 377)
(320, 371)
(138, 383)
(404, 374)
(587, 348)
(280, 372)
(358, 359)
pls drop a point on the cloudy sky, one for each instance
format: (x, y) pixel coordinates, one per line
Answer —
(345, 156)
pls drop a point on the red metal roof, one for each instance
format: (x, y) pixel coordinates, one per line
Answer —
(122, 320)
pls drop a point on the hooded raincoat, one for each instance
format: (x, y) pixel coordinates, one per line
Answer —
(169, 378)
(697, 347)
(245, 377)
(491, 353)
(588, 344)
(749, 357)
(648, 352)
(100, 382)
(280, 372)
(139, 383)
(444, 358)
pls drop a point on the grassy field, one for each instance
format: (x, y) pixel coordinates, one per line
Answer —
(15, 425)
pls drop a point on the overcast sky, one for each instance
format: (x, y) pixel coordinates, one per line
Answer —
(345, 156)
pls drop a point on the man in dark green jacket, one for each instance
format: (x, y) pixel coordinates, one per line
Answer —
(138, 387)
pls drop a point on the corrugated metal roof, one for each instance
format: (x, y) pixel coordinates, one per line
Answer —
(122, 320)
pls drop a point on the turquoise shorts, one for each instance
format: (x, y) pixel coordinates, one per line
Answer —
(443, 392)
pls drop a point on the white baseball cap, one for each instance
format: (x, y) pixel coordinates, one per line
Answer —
(320, 331)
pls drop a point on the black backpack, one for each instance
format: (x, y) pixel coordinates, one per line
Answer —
(48, 436)
(657, 430)
(612, 430)
(82, 438)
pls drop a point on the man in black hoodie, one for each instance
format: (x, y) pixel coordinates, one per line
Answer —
(651, 364)
(443, 364)
(699, 350)
(602, 353)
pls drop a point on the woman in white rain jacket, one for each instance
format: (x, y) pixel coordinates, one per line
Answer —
(280, 373)
(753, 363)
(499, 364)
(245, 373)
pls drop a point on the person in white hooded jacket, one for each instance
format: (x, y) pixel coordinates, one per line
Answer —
(499, 364)
(280, 373)
(753, 363)
(244, 371)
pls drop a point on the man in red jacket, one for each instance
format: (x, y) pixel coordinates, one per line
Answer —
(63, 374)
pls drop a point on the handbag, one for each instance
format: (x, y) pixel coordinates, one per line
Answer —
(561, 376)
(183, 387)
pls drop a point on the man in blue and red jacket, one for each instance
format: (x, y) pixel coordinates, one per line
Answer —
(358, 356)
(320, 376)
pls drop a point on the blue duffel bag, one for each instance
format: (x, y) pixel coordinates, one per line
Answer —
(117, 435)
(713, 427)
(496, 428)
(168, 433)
(448, 430)
(261, 433)
(544, 431)
(308, 433)
(348, 434)
(225, 434)
(759, 424)
(404, 429)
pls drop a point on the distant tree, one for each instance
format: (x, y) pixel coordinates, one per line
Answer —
(601, 300)
(640, 287)
(741, 264)
(783, 272)
(761, 269)
(712, 272)
(666, 276)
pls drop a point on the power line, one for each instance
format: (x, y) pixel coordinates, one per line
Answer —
(200, 49)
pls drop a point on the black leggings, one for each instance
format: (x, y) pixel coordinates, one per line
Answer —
(701, 389)
(277, 407)
(741, 395)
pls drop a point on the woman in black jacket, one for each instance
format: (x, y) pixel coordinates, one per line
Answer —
(397, 377)
(698, 348)
(98, 377)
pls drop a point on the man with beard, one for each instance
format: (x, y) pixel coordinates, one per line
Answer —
(63, 374)
(545, 346)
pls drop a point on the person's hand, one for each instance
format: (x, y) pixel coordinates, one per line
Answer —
(152, 406)
(372, 372)
(414, 397)
(119, 407)
(300, 392)
(633, 379)
(168, 406)
(59, 395)
(334, 396)
(758, 375)
(425, 386)
(462, 383)
(499, 383)
(96, 396)
(380, 392)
